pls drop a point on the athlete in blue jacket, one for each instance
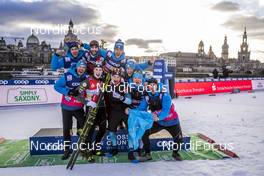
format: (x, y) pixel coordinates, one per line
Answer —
(136, 90)
(117, 59)
(165, 117)
(73, 55)
(71, 107)
(131, 67)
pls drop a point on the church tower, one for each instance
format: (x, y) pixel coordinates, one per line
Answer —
(70, 37)
(201, 48)
(211, 54)
(244, 54)
(225, 47)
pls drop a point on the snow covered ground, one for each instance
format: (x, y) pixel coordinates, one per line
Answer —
(227, 118)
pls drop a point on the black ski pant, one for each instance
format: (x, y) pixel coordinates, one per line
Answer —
(115, 117)
(67, 116)
(175, 132)
(100, 121)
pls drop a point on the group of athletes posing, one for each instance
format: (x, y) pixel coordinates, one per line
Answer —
(131, 95)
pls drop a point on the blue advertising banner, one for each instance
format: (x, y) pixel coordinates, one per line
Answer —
(159, 67)
(47, 145)
(27, 82)
(160, 70)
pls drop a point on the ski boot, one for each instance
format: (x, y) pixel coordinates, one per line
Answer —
(145, 157)
(132, 157)
(98, 153)
(176, 156)
(139, 152)
(112, 152)
(88, 155)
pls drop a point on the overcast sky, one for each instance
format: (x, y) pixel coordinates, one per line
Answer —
(148, 27)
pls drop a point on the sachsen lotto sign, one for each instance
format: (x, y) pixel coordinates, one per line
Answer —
(197, 88)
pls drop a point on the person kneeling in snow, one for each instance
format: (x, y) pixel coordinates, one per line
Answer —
(165, 117)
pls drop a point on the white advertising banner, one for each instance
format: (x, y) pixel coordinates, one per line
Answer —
(258, 84)
(28, 94)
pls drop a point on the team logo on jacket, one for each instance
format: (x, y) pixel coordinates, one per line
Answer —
(114, 64)
(109, 54)
(75, 84)
(67, 59)
(69, 77)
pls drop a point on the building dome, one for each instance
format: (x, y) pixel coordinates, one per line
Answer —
(32, 40)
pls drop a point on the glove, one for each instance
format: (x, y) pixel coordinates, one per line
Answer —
(60, 53)
(73, 92)
(118, 96)
(155, 117)
(91, 104)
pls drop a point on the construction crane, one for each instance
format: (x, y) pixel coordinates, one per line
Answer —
(12, 38)
(102, 45)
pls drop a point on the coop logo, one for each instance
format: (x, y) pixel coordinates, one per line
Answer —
(21, 82)
(158, 64)
(75, 84)
(42, 82)
(158, 70)
(3, 82)
(163, 143)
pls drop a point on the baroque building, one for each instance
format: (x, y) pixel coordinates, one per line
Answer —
(16, 57)
(244, 53)
(225, 48)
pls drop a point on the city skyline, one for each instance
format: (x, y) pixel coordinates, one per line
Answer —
(167, 26)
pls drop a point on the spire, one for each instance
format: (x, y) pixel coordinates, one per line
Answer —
(211, 54)
(61, 46)
(70, 27)
(201, 48)
(245, 36)
(244, 53)
(70, 37)
(71, 23)
(225, 47)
